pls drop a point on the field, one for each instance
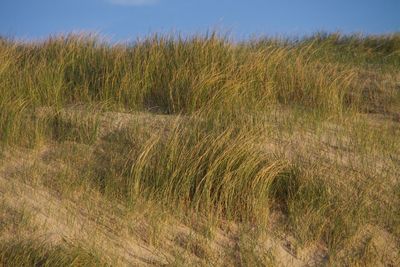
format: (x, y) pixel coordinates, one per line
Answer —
(200, 151)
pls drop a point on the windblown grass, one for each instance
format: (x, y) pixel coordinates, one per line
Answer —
(172, 75)
(295, 137)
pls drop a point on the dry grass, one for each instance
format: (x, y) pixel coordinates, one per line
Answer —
(200, 151)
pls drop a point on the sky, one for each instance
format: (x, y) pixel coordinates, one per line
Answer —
(126, 20)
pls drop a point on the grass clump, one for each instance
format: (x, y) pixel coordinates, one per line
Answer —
(219, 172)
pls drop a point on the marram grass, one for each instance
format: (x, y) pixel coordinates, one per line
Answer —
(300, 135)
(173, 75)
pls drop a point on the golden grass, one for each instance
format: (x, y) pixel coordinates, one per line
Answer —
(200, 151)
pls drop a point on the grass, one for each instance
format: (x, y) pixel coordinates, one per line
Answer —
(34, 253)
(202, 150)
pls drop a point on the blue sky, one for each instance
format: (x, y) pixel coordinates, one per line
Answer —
(123, 20)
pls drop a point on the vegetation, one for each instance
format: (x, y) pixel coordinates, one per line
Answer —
(200, 151)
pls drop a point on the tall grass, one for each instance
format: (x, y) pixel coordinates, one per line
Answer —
(210, 170)
(183, 75)
(170, 74)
